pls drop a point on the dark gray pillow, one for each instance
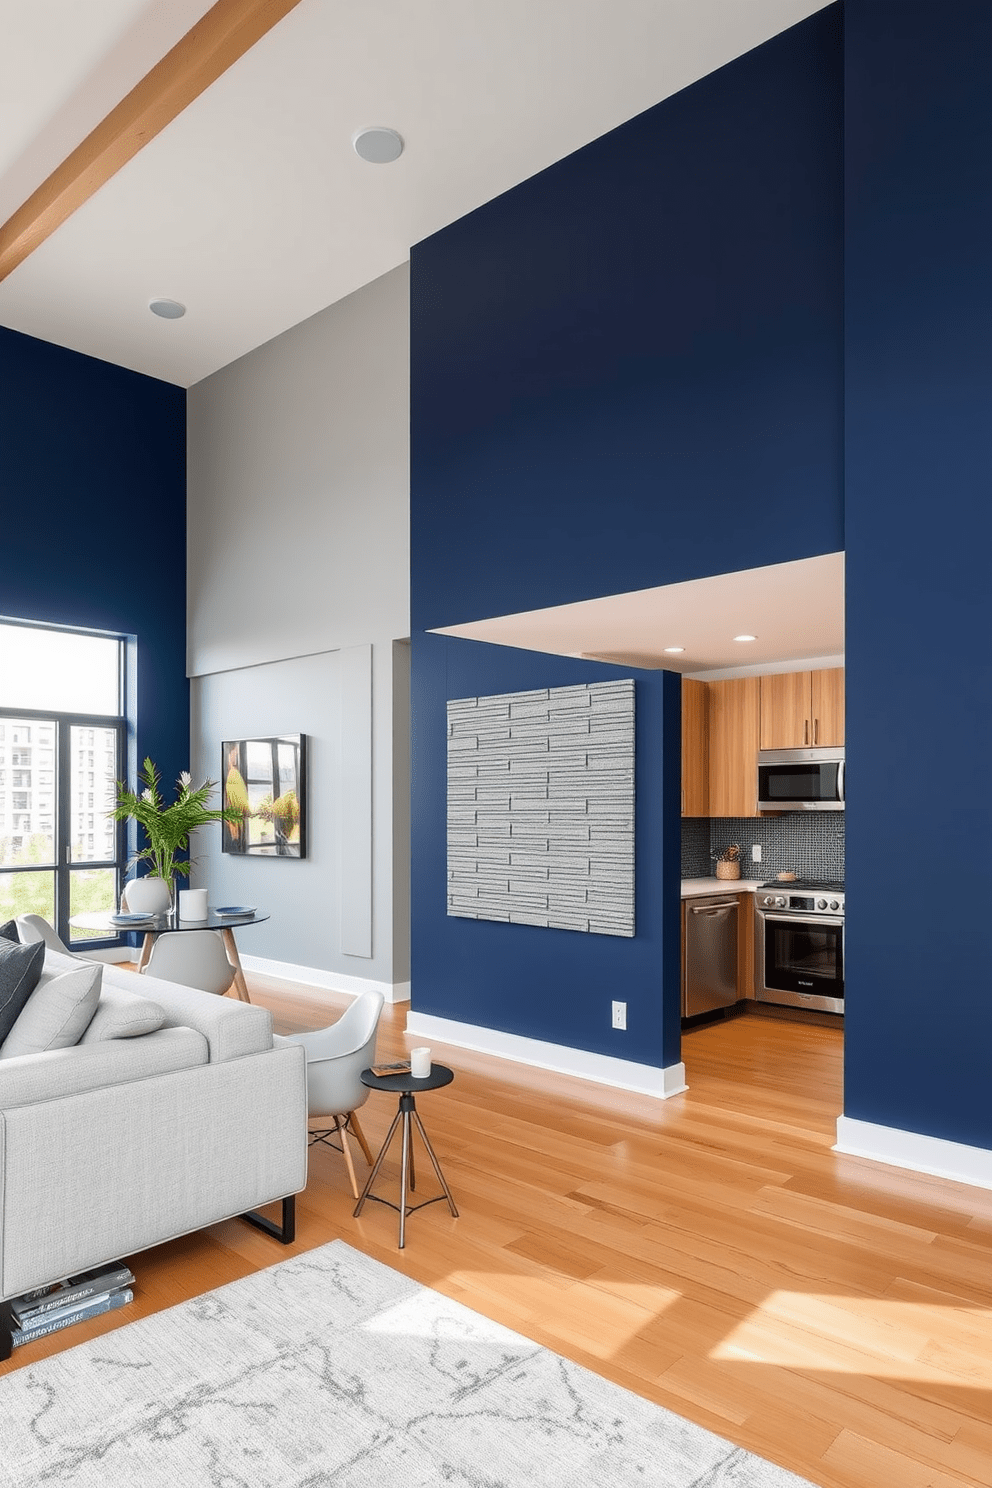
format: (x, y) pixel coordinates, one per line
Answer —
(20, 970)
(9, 932)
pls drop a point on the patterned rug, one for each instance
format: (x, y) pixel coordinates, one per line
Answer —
(332, 1369)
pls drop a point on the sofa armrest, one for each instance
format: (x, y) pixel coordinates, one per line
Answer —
(232, 1029)
(28, 1079)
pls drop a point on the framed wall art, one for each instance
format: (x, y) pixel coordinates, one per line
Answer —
(266, 781)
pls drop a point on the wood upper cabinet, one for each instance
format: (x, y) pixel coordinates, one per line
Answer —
(695, 749)
(734, 707)
(827, 706)
(802, 710)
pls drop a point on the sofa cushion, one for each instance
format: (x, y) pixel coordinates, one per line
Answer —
(57, 1013)
(121, 1015)
(8, 931)
(20, 969)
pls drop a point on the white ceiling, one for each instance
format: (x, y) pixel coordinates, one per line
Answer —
(252, 207)
(796, 611)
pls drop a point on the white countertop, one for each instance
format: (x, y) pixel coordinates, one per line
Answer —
(691, 887)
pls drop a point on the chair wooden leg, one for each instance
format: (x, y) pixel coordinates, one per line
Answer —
(342, 1129)
(360, 1135)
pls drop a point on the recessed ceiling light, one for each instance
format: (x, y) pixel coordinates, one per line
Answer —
(671, 650)
(745, 638)
(167, 309)
(378, 146)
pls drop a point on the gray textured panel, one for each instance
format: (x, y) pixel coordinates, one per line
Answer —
(541, 808)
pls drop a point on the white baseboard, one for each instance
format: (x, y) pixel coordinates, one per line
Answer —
(921, 1154)
(329, 981)
(604, 1069)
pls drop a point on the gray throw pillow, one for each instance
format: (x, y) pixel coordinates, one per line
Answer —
(8, 931)
(57, 1013)
(122, 1015)
(20, 969)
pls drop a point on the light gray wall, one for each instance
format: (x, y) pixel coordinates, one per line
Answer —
(299, 488)
(298, 579)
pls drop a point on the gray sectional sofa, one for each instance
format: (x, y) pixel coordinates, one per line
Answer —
(119, 1143)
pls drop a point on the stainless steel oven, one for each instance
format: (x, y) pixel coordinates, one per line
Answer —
(799, 945)
(801, 779)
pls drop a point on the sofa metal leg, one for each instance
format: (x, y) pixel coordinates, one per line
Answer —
(286, 1232)
(6, 1325)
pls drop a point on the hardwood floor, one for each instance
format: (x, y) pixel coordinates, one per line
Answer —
(709, 1252)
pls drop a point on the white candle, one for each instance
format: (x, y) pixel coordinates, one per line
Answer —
(192, 904)
(420, 1063)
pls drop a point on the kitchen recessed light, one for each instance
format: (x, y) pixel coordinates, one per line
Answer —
(167, 309)
(378, 146)
(745, 638)
(671, 650)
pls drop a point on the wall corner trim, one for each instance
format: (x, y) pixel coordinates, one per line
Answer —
(328, 981)
(913, 1150)
(604, 1069)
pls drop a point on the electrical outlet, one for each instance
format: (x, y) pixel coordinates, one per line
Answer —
(619, 1015)
(755, 852)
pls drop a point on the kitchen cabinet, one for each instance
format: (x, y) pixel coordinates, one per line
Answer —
(802, 710)
(827, 689)
(734, 709)
(745, 947)
(695, 749)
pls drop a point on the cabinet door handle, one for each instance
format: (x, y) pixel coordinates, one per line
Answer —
(683, 803)
(805, 730)
(816, 730)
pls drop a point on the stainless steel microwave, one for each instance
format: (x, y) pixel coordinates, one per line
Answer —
(800, 780)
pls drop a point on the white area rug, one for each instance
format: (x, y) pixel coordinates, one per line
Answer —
(331, 1369)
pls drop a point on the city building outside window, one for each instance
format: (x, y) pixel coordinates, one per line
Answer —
(62, 733)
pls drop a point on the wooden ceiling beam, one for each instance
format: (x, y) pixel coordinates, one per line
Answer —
(228, 30)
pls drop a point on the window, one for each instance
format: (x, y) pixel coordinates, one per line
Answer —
(61, 707)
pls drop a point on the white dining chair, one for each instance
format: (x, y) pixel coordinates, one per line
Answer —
(32, 927)
(196, 958)
(336, 1057)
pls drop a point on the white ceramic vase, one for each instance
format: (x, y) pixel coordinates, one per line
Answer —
(151, 896)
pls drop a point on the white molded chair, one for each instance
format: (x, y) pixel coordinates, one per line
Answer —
(336, 1057)
(196, 958)
(32, 928)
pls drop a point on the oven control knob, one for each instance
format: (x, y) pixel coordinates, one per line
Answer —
(821, 903)
(834, 904)
(779, 902)
(768, 899)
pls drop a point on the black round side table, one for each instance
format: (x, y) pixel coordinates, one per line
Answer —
(407, 1088)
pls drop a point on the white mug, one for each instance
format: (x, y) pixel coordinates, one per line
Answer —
(193, 904)
(420, 1063)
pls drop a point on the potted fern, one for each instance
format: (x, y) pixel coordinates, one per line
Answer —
(167, 830)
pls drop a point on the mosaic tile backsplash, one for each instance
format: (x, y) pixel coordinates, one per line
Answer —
(807, 843)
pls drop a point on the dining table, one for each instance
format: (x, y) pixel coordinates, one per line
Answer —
(152, 926)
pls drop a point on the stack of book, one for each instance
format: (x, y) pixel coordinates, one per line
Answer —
(65, 1302)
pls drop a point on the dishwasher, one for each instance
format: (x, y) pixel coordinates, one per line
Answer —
(710, 954)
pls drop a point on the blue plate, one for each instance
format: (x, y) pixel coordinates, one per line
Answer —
(132, 919)
(234, 909)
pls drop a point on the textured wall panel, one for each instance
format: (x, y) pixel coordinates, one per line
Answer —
(541, 808)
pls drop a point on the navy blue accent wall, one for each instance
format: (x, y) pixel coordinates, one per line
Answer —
(555, 985)
(627, 370)
(919, 570)
(93, 494)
